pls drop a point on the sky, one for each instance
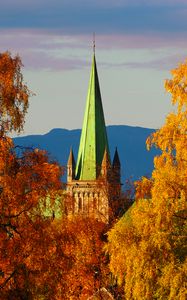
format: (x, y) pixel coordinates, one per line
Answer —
(138, 42)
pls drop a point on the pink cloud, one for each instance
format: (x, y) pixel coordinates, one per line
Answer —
(38, 48)
(42, 61)
(167, 62)
(140, 41)
(53, 39)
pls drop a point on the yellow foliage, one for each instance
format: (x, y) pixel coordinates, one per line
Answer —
(147, 246)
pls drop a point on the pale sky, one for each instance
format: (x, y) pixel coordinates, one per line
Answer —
(138, 42)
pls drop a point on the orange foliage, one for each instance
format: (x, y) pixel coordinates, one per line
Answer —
(40, 257)
(143, 188)
(26, 182)
(83, 248)
(14, 94)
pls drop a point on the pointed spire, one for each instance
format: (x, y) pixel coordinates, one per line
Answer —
(106, 159)
(116, 166)
(71, 167)
(71, 159)
(105, 166)
(93, 137)
(116, 160)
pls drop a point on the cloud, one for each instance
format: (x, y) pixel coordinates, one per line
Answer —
(41, 49)
(55, 51)
(20, 39)
(165, 63)
(150, 40)
(42, 61)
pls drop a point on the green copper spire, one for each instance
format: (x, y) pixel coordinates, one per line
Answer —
(93, 140)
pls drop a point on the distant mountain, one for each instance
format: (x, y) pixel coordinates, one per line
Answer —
(136, 161)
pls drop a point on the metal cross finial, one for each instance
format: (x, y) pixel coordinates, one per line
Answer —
(94, 42)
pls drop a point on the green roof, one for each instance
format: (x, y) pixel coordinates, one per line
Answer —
(93, 141)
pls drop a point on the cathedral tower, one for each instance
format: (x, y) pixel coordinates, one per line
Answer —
(93, 183)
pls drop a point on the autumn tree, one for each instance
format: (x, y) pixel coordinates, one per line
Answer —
(147, 246)
(88, 264)
(14, 94)
(26, 182)
(41, 256)
(27, 179)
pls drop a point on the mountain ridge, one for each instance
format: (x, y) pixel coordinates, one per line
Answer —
(136, 161)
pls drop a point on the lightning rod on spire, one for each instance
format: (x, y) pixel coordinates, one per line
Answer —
(94, 42)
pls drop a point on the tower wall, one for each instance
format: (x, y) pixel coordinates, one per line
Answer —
(89, 199)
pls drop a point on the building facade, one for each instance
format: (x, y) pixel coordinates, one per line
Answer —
(93, 182)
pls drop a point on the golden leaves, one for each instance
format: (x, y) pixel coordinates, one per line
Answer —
(177, 86)
(148, 245)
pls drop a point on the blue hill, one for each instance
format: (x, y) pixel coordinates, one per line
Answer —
(136, 161)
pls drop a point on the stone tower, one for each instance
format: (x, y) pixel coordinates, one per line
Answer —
(93, 182)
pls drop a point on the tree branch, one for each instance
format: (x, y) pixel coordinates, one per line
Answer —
(5, 282)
